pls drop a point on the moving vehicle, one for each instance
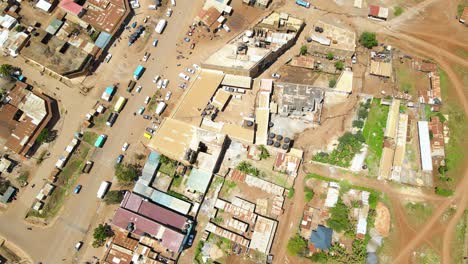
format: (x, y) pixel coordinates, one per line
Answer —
(147, 99)
(160, 26)
(77, 189)
(138, 72)
(103, 189)
(165, 82)
(146, 56)
(78, 245)
(156, 79)
(120, 104)
(169, 12)
(100, 141)
(160, 108)
(138, 89)
(155, 42)
(184, 76)
(131, 84)
(108, 93)
(190, 70)
(303, 3)
(141, 109)
(87, 167)
(276, 75)
(125, 146)
(119, 159)
(111, 120)
(168, 96)
(108, 57)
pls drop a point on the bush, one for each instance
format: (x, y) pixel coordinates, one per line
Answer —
(20, 28)
(339, 65)
(398, 11)
(443, 192)
(358, 123)
(218, 220)
(264, 154)
(332, 83)
(247, 168)
(101, 233)
(114, 197)
(297, 246)
(303, 50)
(363, 113)
(330, 56)
(309, 194)
(126, 173)
(291, 192)
(339, 220)
(368, 40)
(42, 137)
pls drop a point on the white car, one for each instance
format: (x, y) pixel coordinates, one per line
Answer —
(165, 82)
(78, 246)
(138, 89)
(168, 96)
(226, 28)
(108, 57)
(276, 75)
(184, 76)
(147, 99)
(125, 146)
(169, 12)
(156, 78)
(196, 66)
(190, 70)
(145, 58)
(159, 85)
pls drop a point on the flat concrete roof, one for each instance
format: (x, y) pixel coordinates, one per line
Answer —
(242, 134)
(237, 81)
(262, 237)
(220, 99)
(340, 38)
(345, 82)
(196, 98)
(227, 57)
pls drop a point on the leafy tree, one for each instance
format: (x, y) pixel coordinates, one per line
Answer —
(114, 197)
(319, 257)
(363, 113)
(264, 154)
(303, 50)
(339, 65)
(330, 56)
(247, 168)
(332, 83)
(101, 233)
(19, 28)
(42, 137)
(368, 40)
(297, 246)
(309, 194)
(6, 70)
(442, 170)
(339, 220)
(358, 123)
(126, 173)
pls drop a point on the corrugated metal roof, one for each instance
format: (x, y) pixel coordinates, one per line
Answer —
(198, 180)
(103, 39)
(425, 145)
(237, 81)
(321, 238)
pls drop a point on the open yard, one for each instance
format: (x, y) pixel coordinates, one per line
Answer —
(374, 134)
(418, 213)
(410, 81)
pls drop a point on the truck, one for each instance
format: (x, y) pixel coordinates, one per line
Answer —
(303, 3)
(160, 108)
(100, 141)
(131, 84)
(160, 26)
(103, 189)
(111, 120)
(108, 93)
(120, 104)
(138, 72)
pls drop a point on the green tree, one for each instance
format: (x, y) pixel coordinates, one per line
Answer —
(339, 220)
(247, 168)
(363, 113)
(297, 246)
(332, 83)
(126, 173)
(320, 257)
(114, 197)
(264, 154)
(303, 50)
(101, 233)
(368, 40)
(6, 70)
(42, 137)
(358, 123)
(19, 28)
(330, 56)
(339, 65)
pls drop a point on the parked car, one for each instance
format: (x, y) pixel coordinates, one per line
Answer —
(192, 46)
(184, 76)
(146, 56)
(354, 59)
(155, 42)
(276, 75)
(226, 28)
(141, 110)
(119, 159)
(196, 66)
(165, 83)
(77, 189)
(147, 99)
(168, 96)
(108, 57)
(169, 12)
(189, 33)
(159, 84)
(78, 245)
(138, 89)
(237, 96)
(149, 130)
(190, 240)
(190, 70)
(182, 85)
(125, 146)
(156, 79)
(147, 117)
(187, 39)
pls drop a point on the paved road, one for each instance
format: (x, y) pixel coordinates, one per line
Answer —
(55, 244)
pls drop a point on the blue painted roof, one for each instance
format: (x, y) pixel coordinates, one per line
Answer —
(103, 39)
(321, 238)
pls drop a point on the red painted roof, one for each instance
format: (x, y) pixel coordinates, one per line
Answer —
(71, 7)
(374, 10)
(170, 239)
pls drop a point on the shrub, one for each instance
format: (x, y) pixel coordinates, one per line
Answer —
(303, 50)
(339, 65)
(398, 11)
(101, 233)
(368, 40)
(42, 137)
(264, 154)
(330, 56)
(297, 246)
(332, 83)
(443, 192)
(247, 168)
(126, 173)
(114, 197)
(358, 123)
